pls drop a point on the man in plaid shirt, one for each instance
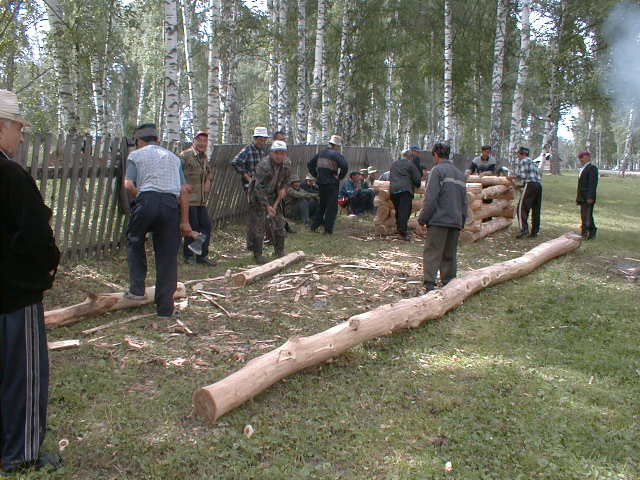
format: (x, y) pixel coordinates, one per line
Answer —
(527, 177)
(247, 160)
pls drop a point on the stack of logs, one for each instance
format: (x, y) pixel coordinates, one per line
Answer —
(488, 197)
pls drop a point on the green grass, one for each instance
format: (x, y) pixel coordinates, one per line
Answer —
(535, 378)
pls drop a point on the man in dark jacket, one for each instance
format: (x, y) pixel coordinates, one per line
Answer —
(586, 198)
(328, 167)
(299, 204)
(444, 213)
(405, 177)
(28, 262)
(485, 163)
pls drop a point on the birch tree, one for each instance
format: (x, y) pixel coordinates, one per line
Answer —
(284, 107)
(213, 81)
(315, 123)
(302, 111)
(449, 119)
(341, 84)
(172, 132)
(192, 120)
(628, 142)
(516, 133)
(496, 80)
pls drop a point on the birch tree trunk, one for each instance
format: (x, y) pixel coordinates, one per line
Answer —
(97, 87)
(326, 102)
(628, 143)
(388, 99)
(341, 85)
(141, 96)
(449, 119)
(314, 123)
(516, 133)
(171, 71)
(225, 70)
(496, 80)
(213, 80)
(590, 124)
(192, 121)
(284, 107)
(302, 111)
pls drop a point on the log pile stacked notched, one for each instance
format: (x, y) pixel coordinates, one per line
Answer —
(480, 190)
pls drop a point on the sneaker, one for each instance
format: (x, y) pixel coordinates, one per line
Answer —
(190, 260)
(206, 261)
(136, 298)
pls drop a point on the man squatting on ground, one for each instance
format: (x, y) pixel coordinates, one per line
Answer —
(198, 174)
(267, 189)
(527, 177)
(444, 212)
(28, 263)
(328, 167)
(405, 178)
(155, 179)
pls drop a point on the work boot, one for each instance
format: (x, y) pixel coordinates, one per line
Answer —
(46, 461)
(522, 234)
(260, 259)
(405, 236)
(533, 235)
(428, 287)
(592, 234)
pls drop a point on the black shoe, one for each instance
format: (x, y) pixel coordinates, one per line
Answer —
(46, 461)
(260, 259)
(533, 235)
(406, 237)
(592, 234)
(190, 260)
(289, 229)
(206, 261)
(522, 234)
(314, 227)
(428, 287)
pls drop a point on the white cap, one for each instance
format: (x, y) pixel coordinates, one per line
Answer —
(261, 132)
(336, 140)
(278, 146)
(10, 108)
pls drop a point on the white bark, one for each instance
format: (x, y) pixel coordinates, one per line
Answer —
(315, 122)
(498, 74)
(516, 134)
(326, 102)
(213, 80)
(141, 96)
(225, 68)
(172, 132)
(192, 120)
(97, 87)
(449, 119)
(388, 99)
(284, 107)
(341, 85)
(302, 111)
(628, 143)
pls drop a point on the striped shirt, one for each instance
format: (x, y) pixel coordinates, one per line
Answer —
(155, 169)
(248, 159)
(527, 171)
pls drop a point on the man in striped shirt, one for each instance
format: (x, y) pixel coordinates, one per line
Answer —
(527, 177)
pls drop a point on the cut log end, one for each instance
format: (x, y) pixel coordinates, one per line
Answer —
(205, 405)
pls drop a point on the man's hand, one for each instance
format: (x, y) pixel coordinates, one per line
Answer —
(207, 185)
(590, 200)
(185, 229)
(271, 210)
(247, 177)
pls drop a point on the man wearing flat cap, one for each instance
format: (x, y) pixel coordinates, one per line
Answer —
(198, 174)
(246, 161)
(586, 197)
(29, 259)
(155, 178)
(527, 177)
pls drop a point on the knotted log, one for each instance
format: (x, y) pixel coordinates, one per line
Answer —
(487, 181)
(253, 274)
(494, 191)
(486, 229)
(497, 208)
(298, 353)
(96, 304)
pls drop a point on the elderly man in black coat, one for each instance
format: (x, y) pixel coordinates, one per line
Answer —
(586, 198)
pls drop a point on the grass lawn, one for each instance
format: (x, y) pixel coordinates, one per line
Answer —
(535, 378)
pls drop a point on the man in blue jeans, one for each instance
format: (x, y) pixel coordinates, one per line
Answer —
(155, 178)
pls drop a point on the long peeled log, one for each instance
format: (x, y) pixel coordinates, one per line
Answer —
(486, 229)
(96, 304)
(253, 274)
(215, 400)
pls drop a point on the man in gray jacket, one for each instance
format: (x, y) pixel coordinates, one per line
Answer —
(405, 177)
(444, 213)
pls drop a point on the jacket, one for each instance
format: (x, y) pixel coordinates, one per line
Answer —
(587, 184)
(328, 167)
(292, 199)
(268, 179)
(404, 176)
(479, 166)
(349, 189)
(28, 253)
(197, 172)
(445, 201)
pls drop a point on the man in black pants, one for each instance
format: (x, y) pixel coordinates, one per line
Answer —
(586, 198)
(328, 167)
(527, 176)
(444, 213)
(155, 178)
(29, 259)
(405, 177)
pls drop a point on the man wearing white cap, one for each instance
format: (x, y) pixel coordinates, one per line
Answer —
(329, 167)
(267, 189)
(247, 160)
(29, 259)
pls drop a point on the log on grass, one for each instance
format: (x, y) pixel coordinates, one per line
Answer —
(96, 304)
(254, 274)
(487, 228)
(63, 345)
(213, 401)
(488, 180)
(497, 208)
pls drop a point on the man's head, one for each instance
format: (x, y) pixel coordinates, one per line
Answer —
(335, 142)
(11, 123)
(280, 135)
(310, 180)
(415, 150)
(200, 142)
(260, 136)
(523, 152)
(584, 157)
(145, 134)
(440, 152)
(278, 152)
(408, 154)
(355, 176)
(485, 152)
(295, 183)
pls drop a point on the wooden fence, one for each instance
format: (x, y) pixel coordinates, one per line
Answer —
(81, 179)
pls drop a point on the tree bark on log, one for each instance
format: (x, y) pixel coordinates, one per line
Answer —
(486, 229)
(494, 191)
(497, 208)
(253, 274)
(488, 180)
(96, 304)
(213, 401)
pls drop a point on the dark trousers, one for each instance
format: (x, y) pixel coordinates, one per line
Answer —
(24, 385)
(440, 253)
(304, 210)
(200, 222)
(361, 202)
(530, 200)
(588, 224)
(259, 224)
(402, 203)
(158, 213)
(327, 208)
